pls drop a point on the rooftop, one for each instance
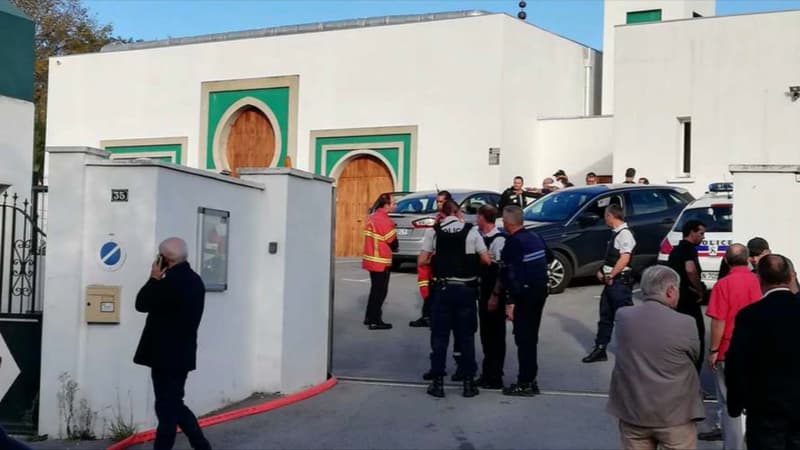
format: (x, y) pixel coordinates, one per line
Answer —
(286, 30)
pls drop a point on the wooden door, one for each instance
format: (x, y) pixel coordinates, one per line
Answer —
(251, 141)
(363, 179)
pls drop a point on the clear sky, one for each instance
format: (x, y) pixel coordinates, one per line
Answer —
(581, 20)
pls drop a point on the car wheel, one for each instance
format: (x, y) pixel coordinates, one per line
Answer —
(559, 273)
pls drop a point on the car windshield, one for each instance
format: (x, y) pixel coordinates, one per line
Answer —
(417, 205)
(556, 207)
(716, 218)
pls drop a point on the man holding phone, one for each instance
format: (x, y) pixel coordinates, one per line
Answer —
(173, 299)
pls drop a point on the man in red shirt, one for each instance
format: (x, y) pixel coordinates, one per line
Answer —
(732, 293)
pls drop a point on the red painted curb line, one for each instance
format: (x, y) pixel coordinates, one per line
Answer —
(149, 435)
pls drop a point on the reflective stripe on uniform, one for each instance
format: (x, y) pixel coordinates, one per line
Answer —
(533, 256)
(377, 259)
(379, 237)
(422, 283)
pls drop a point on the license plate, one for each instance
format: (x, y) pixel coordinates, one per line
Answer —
(709, 276)
(403, 231)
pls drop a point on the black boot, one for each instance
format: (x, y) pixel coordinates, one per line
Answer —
(490, 382)
(436, 387)
(522, 389)
(421, 322)
(597, 354)
(470, 387)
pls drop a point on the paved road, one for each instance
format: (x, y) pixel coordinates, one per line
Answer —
(395, 412)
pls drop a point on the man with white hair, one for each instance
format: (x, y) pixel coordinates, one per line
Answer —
(173, 299)
(654, 386)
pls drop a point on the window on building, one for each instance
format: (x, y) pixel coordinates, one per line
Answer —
(650, 15)
(685, 124)
(696, 14)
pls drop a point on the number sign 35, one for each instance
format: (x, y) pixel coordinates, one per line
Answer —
(119, 195)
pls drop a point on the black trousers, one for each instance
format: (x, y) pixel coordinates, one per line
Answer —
(9, 443)
(613, 297)
(454, 311)
(493, 336)
(765, 433)
(697, 315)
(379, 287)
(527, 318)
(168, 386)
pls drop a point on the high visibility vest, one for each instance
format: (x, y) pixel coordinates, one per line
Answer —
(424, 280)
(378, 233)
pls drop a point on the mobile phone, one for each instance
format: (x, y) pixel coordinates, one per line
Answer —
(162, 262)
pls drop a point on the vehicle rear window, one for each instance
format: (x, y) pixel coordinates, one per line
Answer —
(416, 205)
(717, 218)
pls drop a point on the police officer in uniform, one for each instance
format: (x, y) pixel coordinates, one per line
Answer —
(492, 323)
(617, 276)
(523, 275)
(455, 251)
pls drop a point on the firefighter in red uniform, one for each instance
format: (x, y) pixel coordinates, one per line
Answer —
(380, 240)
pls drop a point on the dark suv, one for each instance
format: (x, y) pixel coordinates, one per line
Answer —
(571, 222)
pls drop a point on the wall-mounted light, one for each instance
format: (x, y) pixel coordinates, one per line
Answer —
(794, 93)
(522, 14)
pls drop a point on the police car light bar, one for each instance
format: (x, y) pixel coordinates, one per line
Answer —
(720, 187)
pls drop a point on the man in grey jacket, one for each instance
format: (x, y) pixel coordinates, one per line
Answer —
(655, 389)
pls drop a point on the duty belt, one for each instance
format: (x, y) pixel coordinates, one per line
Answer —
(445, 281)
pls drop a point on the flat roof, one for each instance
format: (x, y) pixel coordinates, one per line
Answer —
(286, 30)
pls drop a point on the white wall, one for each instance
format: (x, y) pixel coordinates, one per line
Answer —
(243, 345)
(543, 75)
(615, 13)
(732, 88)
(577, 145)
(16, 145)
(775, 221)
(470, 84)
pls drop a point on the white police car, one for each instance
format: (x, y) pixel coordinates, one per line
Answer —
(715, 210)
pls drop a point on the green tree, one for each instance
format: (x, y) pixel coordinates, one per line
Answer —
(63, 27)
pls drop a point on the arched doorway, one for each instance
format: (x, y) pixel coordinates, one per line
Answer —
(251, 140)
(361, 181)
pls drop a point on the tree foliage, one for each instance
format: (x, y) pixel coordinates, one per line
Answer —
(63, 27)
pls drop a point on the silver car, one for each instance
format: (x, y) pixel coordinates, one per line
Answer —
(416, 213)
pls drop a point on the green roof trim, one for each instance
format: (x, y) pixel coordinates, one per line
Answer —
(6, 7)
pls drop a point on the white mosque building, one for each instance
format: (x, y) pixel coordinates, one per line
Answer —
(416, 102)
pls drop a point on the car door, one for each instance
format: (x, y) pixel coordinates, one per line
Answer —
(588, 241)
(651, 215)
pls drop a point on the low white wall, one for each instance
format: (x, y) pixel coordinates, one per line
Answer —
(249, 337)
(577, 145)
(763, 207)
(16, 145)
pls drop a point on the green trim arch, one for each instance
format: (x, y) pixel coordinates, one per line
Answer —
(172, 150)
(222, 101)
(395, 146)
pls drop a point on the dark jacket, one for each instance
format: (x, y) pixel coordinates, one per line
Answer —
(174, 307)
(509, 197)
(763, 362)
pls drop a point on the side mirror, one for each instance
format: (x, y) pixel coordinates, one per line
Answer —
(588, 218)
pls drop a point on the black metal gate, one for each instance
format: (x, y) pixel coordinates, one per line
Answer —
(22, 250)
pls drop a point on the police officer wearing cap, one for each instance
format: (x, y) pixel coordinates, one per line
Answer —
(523, 276)
(455, 251)
(617, 276)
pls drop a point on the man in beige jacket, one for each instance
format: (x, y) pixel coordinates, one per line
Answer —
(655, 389)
